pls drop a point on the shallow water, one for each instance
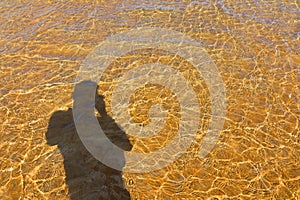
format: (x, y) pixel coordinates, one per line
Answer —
(255, 46)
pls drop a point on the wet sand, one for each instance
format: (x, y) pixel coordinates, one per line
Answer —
(255, 46)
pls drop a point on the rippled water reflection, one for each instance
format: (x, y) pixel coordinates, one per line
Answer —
(254, 44)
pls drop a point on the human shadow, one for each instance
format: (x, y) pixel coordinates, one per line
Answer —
(86, 177)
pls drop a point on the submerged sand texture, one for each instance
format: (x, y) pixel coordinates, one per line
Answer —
(255, 46)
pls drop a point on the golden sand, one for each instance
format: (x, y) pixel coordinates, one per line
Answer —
(255, 46)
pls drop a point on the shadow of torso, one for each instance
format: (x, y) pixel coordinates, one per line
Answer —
(86, 177)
